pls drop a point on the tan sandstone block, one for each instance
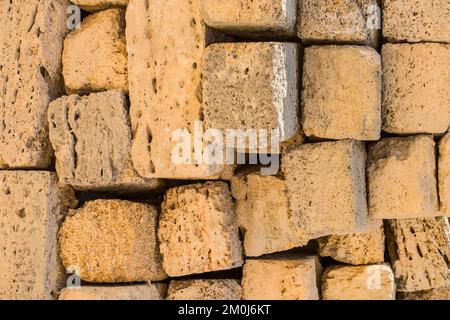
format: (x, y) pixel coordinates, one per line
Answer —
(93, 5)
(31, 207)
(251, 16)
(94, 57)
(356, 248)
(198, 230)
(312, 171)
(285, 277)
(419, 251)
(30, 77)
(128, 292)
(341, 92)
(374, 282)
(442, 293)
(415, 21)
(91, 137)
(222, 289)
(444, 174)
(401, 178)
(251, 86)
(416, 78)
(112, 241)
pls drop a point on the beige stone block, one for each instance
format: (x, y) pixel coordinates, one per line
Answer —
(126, 292)
(198, 230)
(416, 78)
(419, 250)
(341, 92)
(30, 77)
(95, 57)
(401, 178)
(93, 5)
(221, 289)
(444, 175)
(374, 282)
(442, 293)
(112, 241)
(91, 137)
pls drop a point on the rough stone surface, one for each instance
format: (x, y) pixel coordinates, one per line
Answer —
(415, 21)
(93, 5)
(30, 77)
(375, 282)
(419, 250)
(92, 142)
(416, 78)
(112, 241)
(127, 292)
(442, 293)
(286, 277)
(198, 230)
(444, 174)
(31, 207)
(401, 178)
(95, 57)
(315, 169)
(341, 92)
(223, 289)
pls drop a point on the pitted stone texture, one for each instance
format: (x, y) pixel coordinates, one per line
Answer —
(312, 171)
(91, 137)
(251, 86)
(444, 174)
(341, 95)
(374, 282)
(416, 78)
(31, 41)
(442, 293)
(401, 178)
(251, 17)
(93, 5)
(416, 21)
(95, 57)
(127, 292)
(222, 289)
(31, 207)
(112, 241)
(419, 250)
(198, 230)
(285, 277)
(356, 248)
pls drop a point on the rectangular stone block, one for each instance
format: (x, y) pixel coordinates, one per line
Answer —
(112, 241)
(284, 277)
(198, 230)
(419, 250)
(312, 171)
(91, 137)
(94, 5)
(341, 93)
(221, 289)
(31, 207)
(416, 78)
(401, 178)
(444, 175)
(30, 77)
(126, 292)
(374, 282)
(95, 57)
(442, 293)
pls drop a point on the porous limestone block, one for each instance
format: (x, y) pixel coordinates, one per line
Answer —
(94, 56)
(262, 209)
(93, 5)
(416, 21)
(221, 289)
(315, 169)
(284, 277)
(251, 17)
(346, 21)
(126, 292)
(419, 250)
(356, 248)
(341, 95)
(442, 293)
(374, 282)
(444, 174)
(251, 85)
(112, 241)
(416, 78)
(165, 72)
(198, 230)
(401, 178)
(91, 137)
(31, 208)
(30, 77)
